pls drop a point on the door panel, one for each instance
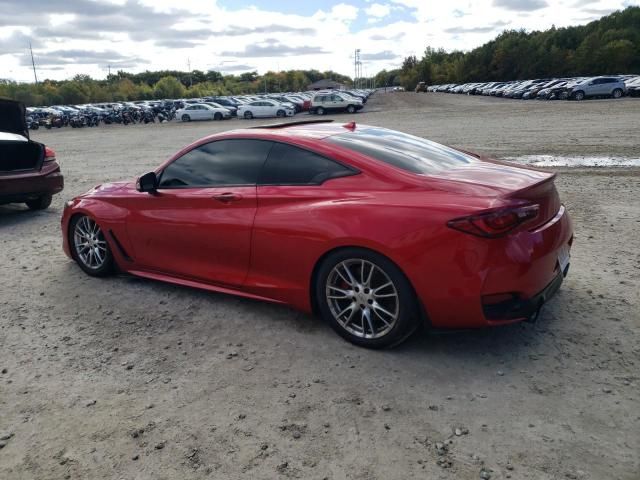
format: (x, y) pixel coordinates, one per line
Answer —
(195, 232)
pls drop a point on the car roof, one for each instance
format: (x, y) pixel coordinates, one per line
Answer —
(313, 129)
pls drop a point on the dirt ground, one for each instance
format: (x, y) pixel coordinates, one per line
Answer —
(124, 378)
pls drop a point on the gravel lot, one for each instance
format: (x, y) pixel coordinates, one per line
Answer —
(123, 378)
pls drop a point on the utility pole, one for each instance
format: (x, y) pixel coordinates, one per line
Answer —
(33, 63)
(356, 66)
(189, 68)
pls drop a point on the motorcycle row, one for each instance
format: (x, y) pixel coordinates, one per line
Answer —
(50, 118)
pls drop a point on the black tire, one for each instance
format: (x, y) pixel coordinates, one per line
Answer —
(248, 115)
(320, 111)
(351, 109)
(40, 203)
(407, 307)
(579, 95)
(617, 93)
(280, 113)
(217, 116)
(186, 118)
(107, 266)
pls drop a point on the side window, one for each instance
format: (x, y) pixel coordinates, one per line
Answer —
(225, 162)
(289, 165)
(319, 98)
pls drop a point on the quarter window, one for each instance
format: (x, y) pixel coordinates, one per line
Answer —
(289, 165)
(225, 162)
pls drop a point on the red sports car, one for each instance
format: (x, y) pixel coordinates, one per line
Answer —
(376, 230)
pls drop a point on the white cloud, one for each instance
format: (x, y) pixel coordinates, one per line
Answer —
(378, 10)
(207, 33)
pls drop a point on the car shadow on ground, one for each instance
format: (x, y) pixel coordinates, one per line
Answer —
(516, 342)
(15, 214)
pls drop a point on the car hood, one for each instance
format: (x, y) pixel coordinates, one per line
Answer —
(12, 117)
(106, 189)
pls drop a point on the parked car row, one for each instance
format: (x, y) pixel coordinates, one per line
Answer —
(92, 115)
(579, 88)
(193, 109)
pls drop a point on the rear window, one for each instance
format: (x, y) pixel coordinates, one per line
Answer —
(410, 153)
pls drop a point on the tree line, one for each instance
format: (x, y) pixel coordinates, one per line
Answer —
(125, 86)
(610, 45)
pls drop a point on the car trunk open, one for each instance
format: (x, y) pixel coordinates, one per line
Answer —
(13, 118)
(17, 156)
(17, 152)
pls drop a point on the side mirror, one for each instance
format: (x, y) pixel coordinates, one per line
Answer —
(147, 182)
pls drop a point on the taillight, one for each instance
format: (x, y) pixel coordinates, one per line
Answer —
(495, 223)
(49, 155)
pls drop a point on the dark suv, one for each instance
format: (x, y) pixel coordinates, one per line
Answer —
(29, 171)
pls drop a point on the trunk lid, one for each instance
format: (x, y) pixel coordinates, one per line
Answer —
(510, 182)
(13, 117)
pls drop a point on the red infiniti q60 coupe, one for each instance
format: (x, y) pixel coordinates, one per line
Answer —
(376, 230)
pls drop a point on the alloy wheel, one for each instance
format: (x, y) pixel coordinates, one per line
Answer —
(362, 298)
(89, 243)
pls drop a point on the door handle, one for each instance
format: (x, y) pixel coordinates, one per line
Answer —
(228, 197)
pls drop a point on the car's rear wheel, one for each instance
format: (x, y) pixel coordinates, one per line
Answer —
(248, 115)
(217, 116)
(320, 111)
(186, 118)
(617, 93)
(579, 95)
(89, 246)
(366, 298)
(351, 109)
(40, 203)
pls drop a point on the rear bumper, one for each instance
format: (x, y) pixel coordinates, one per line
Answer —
(470, 273)
(517, 309)
(30, 185)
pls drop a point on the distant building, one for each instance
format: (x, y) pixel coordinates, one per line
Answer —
(325, 84)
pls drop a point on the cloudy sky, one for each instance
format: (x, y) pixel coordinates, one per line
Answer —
(87, 36)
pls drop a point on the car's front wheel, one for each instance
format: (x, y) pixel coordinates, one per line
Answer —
(186, 118)
(617, 93)
(579, 95)
(281, 113)
(366, 298)
(89, 246)
(351, 109)
(248, 115)
(39, 203)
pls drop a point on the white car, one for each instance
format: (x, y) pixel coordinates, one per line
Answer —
(200, 111)
(264, 108)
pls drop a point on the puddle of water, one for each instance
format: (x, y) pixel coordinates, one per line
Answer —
(561, 161)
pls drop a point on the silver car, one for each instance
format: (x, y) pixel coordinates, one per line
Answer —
(598, 87)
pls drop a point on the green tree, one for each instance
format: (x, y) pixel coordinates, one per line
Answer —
(168, 87)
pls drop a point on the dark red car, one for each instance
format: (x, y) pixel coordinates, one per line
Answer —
(29, 171)
(376, 230)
